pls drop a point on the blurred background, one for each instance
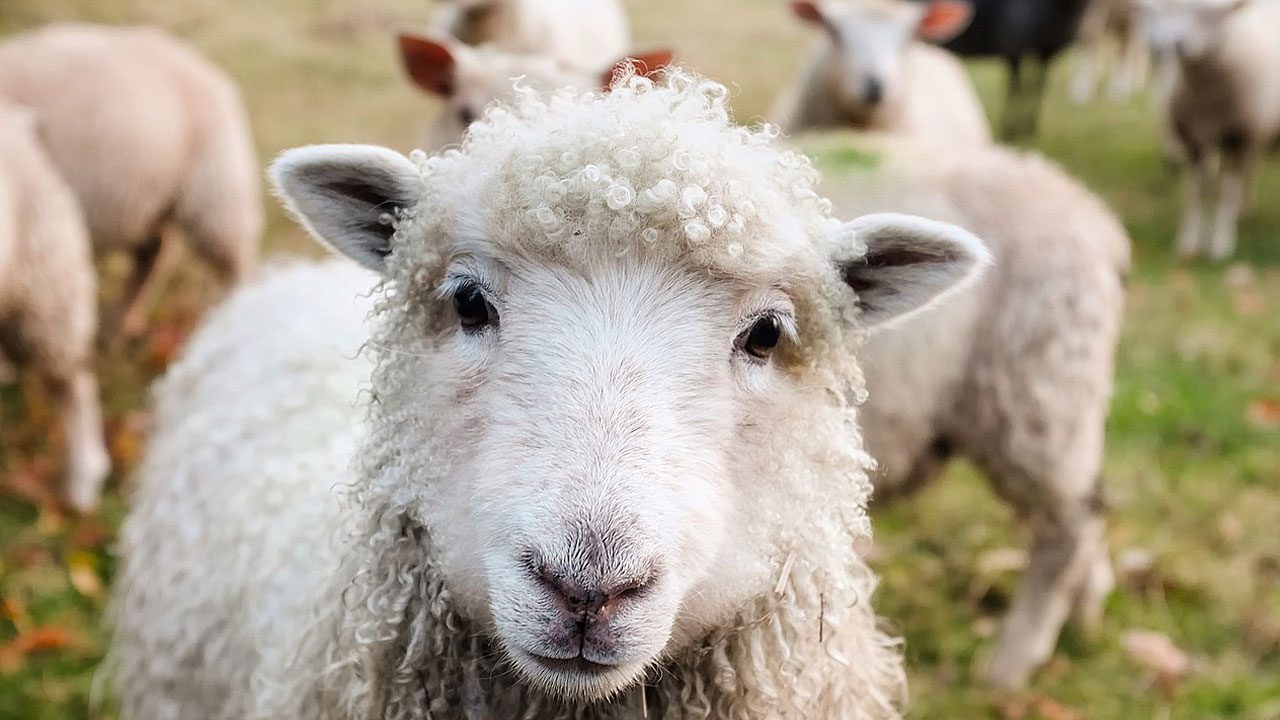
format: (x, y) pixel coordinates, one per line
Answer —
(1193, 457)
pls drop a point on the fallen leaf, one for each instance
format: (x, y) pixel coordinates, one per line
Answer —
(1264, 413)
(82, 571)
(127, 438)
(1155, 651)
(1050, 709)
(13, 654)
(33, 482)
(164, 344)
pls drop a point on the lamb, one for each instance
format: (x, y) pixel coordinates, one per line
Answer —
(47, 297)
(1111, 39)
(610, 467)
(469, 79)
(1014, 374)
(151, 137)
(1224, 106)
(1021, 32)
(872, 73)
(580, 35)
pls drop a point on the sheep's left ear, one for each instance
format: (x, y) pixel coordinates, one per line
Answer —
(910, 263)
(347, 196)
(944, 19)
(644, 63)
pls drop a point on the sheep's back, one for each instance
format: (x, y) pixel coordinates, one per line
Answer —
(122, 111)
(230, 542)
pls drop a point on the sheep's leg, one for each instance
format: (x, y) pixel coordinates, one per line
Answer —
(1014, 99)
(150, 266)
(87, 460)
(1131, 69)
(1066, 552)
(1085, 80)
(1232, 189)
(1195, 184)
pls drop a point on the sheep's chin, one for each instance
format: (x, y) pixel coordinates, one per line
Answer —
(561, 679)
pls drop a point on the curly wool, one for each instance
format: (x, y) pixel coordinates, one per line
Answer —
(383, 636)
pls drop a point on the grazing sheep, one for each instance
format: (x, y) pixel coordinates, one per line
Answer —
(48, 296)
(582, 35)
(152, 138)
(469, 79)
(1111, 41)
(611, 465)
(872, 74)
(1020, 31)
(1014, 374)
(1224, 106)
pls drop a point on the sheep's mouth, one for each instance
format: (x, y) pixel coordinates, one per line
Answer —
(577, 665)
(577, 677)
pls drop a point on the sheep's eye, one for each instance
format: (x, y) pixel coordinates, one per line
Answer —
(474, 311)
(466, 116)
(762, 337)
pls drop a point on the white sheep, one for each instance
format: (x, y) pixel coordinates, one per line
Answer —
(47, 297)
(1111, 41)
(1014, 373)
(1224, 106)
(581, 35)
(151, 136)
(873, 72)
(469, 79)
(610, 466)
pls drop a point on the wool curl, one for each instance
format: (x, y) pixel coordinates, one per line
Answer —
(652, 168)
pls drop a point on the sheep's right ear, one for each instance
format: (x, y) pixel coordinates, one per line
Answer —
(430, 64)
(346, 196)
(643, 64)
(809, 11)
(899, 265)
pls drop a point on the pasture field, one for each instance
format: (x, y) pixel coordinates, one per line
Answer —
(1193, 462)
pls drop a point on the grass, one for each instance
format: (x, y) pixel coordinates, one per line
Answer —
(1193, 464)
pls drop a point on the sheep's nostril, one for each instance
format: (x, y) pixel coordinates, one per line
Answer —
(874, 91)
(591, 601)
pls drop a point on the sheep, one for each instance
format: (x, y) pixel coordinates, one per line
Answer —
(47, 296)
(1014, 373)
(1110, 34)
(871, 73)
(1018, 31)
(581, 35)
(151, 137)
(468, 79)
(610, 464)
(1224, 106)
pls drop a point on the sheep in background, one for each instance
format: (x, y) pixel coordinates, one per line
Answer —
(872, 73)
(151, 137)
(1014, 374)
(48, 295)
(580, 35)
(1223, 111)
(469, 79)
(1111, 42)
(612, 467)
(1023, 33)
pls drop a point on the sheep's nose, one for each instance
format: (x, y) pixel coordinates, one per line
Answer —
(874, 91)
(590, 602)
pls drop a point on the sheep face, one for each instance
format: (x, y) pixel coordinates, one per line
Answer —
(594, 392)
(469, 79)
(1191, 30)
(866, 65)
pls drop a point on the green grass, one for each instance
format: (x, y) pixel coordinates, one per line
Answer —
(1193, 464)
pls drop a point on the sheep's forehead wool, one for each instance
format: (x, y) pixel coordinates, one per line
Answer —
(660, 167)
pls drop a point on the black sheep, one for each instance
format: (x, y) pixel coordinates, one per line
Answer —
(1018, 30)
